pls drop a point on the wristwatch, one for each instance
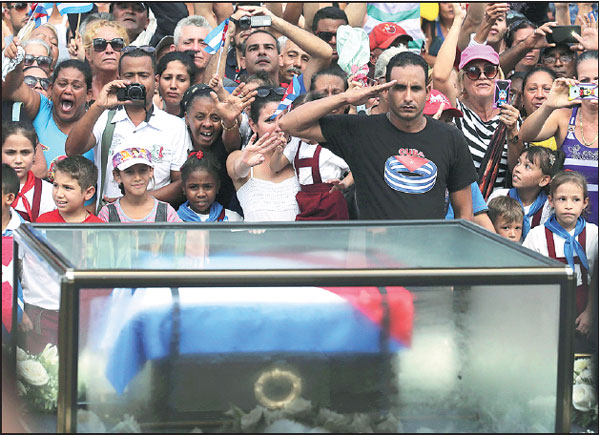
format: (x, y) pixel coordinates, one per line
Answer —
(515, 139)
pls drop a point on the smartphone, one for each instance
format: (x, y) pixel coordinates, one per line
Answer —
(501, 93)
(583, 91)
(563, 34)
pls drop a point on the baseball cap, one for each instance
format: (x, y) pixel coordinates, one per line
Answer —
(124, 158)
(478, 52)
(165, 41)
(384, 34)
(436, 99)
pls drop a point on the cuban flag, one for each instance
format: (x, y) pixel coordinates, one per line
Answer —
(74, 8)
(290, 95)
(40, 13)
(216, 38)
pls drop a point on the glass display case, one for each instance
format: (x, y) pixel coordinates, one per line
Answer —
(365, 326)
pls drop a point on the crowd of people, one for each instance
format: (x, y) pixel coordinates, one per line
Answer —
(127, 114)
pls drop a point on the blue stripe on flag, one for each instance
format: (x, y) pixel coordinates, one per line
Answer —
(215, 38)
(292, 92)
(74, 8)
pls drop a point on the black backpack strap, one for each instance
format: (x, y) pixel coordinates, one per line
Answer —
(113, 216)
(161, 212)
(107, 136)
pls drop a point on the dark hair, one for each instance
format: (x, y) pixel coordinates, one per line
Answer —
(591, 54)
(138, 53)
(550, 162)
(83, 67)
(24, 128)
(330, 12)
(10, 180)
(403, 59)
(198, 90)
(179, 56)
(333, 70)
(260, 76)
(300, 100)
(570, 176)
(79, 168)
(208, 162)
(260, 102)
(516, 75)
(505, 207)
(523, 23)
(537, 69)
(112, 6)
(245, 43)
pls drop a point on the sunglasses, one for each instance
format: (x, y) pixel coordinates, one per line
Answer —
(100, 44)
(31, 81)
(490, 71)
(42, 61)
(265, 92)
(137, 7)
(551, 60)
(19, 6)
(325, 36)
(145, 48)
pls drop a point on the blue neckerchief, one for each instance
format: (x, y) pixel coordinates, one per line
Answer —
(535, 207)
(188, 215)
(571, 242)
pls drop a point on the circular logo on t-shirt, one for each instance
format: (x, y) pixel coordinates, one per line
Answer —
(410, 174)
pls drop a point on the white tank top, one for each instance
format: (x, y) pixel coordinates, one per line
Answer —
(264, 200)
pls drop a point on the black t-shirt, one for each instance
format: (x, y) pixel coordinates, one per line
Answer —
(400, 175)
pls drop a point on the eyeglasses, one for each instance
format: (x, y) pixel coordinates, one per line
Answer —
(100, 44)
(551, 60)
(325, 36)
(145, 48)
(137, 7)
(19, 6)
(265, 92)
(42, 61)
(31, 81)
(490, 71)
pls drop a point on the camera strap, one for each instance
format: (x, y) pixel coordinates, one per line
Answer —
(107, 136)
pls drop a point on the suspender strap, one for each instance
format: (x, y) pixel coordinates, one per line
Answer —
(37, 198)
(552, 249)
(221, 215)
(113, 216)
(161, 212)
(107, 136)
(537, 218)
(311, 162)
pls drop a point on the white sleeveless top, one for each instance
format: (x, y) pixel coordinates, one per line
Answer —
(263, 200)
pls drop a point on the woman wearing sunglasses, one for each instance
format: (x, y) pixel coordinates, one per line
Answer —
(103, 41)
(37, 53)
(478, 69)
(37, 79)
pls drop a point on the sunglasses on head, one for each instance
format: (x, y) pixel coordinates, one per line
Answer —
(31, 81)
(474, 72)
(19, 6)
(325, 36)
(100, 44)
(145, 48)
(265, 92)
(42, 61)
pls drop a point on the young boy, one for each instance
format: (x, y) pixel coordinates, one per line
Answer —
(506, 215)
(18, 149)
(10, 221)
(74, 183)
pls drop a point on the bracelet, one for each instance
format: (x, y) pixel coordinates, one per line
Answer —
(235, 124)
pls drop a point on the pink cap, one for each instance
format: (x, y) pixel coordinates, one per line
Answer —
(478, 52)
(436, 99)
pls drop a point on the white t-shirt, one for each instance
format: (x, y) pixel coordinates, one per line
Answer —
(330, 166)
(46, 201)
(165, 136)
(536, 241)
(547, 210)
(231, 216)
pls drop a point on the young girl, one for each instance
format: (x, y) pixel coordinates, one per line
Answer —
(201, 183)
(567, 237)
(133, 170)
(530, 179)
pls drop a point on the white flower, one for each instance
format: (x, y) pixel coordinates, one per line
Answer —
(21, 391)
(50, 355)
(32, 372)
(580, 364)
(21, 354)
(584, 397)
(584, 377)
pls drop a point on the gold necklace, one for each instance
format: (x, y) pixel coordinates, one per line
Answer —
(581, 130)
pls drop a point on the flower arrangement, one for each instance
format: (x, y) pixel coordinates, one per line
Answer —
(37, 378)
(585, 398)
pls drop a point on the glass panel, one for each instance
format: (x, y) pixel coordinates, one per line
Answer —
(428, 359)
(396, 246)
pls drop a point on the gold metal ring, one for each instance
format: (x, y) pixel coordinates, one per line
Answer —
(277, 375)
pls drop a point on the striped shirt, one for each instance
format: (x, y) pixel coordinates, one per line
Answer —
(478, 134)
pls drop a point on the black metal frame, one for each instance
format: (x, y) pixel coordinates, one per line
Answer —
(73, 281)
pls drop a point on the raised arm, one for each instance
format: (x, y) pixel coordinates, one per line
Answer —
(292, 12)
(356, 13)
(537, 39)
(14, 89)
(493, 11)
(253, 154)
(472, 22)
(444, 62)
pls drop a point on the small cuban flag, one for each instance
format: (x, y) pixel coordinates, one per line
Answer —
(290, 95)
(74, 8)
(216, 38)
(40, 13)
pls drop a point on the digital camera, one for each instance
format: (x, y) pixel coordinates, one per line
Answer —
(133, 92)
(254, 21)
